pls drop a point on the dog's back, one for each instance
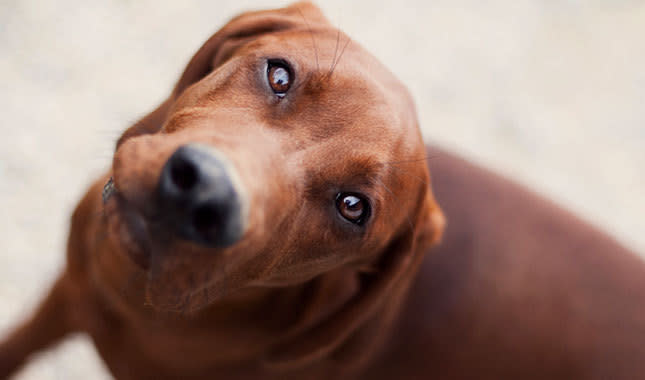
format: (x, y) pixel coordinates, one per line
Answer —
(518, 289)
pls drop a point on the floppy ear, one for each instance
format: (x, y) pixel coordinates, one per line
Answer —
(220, 47)
(348, 335)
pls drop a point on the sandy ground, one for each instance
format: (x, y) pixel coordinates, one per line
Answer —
(551, 93)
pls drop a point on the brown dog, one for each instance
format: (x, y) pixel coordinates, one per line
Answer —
(270, 220)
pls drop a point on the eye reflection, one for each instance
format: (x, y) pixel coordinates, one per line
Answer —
(352, 207)
(279, 77)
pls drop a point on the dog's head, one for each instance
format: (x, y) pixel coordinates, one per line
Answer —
(285, 151)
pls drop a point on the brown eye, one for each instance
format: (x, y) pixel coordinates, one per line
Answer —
(279, 77)
(352, 207)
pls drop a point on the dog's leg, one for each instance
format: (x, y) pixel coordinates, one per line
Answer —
(50, 322)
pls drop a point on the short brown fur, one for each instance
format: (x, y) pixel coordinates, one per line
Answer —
(516, 289)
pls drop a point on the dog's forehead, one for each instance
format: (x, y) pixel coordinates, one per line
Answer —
(344, 77)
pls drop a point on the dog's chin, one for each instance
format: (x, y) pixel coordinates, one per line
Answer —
(184, 291)
(176, 301)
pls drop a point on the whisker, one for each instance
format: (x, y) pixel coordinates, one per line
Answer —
(313, 39)
(331, 67)
(335, 63)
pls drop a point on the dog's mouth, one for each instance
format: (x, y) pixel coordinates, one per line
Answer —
(128, 225)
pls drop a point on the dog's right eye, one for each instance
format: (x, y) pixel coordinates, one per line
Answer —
(353, 207)
(279, 76)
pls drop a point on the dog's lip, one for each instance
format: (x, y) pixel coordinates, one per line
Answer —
(132, 226)
(136, 227)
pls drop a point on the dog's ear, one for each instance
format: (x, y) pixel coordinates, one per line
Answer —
(221, 46)
(348, 335)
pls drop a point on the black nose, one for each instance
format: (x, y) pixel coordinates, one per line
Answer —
(199, 197)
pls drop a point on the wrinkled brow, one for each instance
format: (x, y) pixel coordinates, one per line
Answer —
(348, 174)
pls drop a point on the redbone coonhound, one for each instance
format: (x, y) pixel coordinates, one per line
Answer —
(274, 219)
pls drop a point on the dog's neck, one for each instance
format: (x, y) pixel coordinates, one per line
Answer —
(288, 309)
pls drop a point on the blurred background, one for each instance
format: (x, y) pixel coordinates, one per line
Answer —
(548, 92)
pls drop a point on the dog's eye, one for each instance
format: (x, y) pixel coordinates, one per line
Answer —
(279, 77)
(353, 207)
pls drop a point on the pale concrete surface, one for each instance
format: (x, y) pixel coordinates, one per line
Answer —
(551, 93)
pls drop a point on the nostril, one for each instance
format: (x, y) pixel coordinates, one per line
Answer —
(198, 197)
(205, 218)
(183, 174)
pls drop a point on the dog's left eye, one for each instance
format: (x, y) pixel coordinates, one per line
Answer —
(279, 76)
(353, 207)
